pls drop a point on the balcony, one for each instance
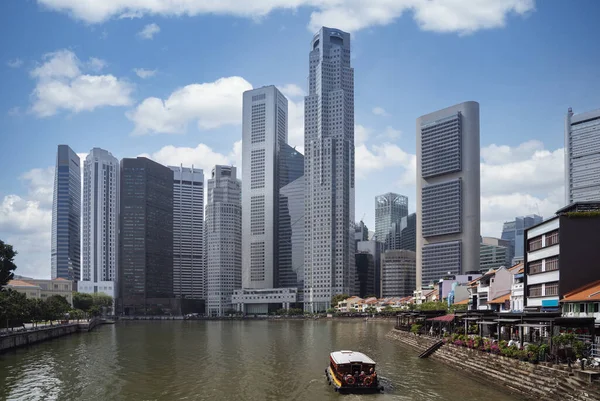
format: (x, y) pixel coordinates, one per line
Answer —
(483, 289)
(517, 290)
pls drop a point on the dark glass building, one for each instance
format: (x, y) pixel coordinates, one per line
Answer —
(365, 274)
(65, 249)
(146, 238)
(290, 230)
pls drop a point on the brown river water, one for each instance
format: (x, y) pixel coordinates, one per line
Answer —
(226, 360)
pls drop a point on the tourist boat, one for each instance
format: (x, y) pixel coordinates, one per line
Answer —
(352, 372)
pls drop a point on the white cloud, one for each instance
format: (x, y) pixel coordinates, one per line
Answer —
(96, 64)
(143, 73)
(149, 31)
(391, 133)
(16, 63)
(462, 16)
(291, 90)
(361, 134)
(211, 105)
(380, 111)
(62, 85)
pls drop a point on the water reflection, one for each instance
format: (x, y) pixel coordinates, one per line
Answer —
(239, 360)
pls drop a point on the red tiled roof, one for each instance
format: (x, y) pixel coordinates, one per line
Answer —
(463, 302)
(500, 300)
(517, 267)
(445, 318)
(20, 283)
(589, 292)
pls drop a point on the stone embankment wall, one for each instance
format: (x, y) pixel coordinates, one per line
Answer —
(24, 338)
(534, 381)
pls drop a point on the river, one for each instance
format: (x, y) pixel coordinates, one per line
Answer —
(225, 360)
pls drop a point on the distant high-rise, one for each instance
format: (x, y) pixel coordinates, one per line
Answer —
(146, 238)
(582, 156)
(398, 273)
(390, 208)
(403, 234)
(101, 176)
(223, 235)
(188, 232)
(375, 249)
(264, 135)
(494, 253)
(512, 232)
(448, 190)
(364, 283)
(329, 170)
(65, 249)
(361, 232)
(290, 225)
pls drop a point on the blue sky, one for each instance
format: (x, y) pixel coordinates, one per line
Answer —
(68, 77)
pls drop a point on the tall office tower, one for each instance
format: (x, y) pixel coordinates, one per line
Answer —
(329, 170)
(65, 249)
(361, 232)
(374, 248)
(448, 205)
(100, 217)
(512, 231)
(146, 238)
(364, 282)
(582, 156)
(264, 134)
(390, 208)
(188, 232)
(289, 252)
(493, 253)
(223, 239)
(398, 273)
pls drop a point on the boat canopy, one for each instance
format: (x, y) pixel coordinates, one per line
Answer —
(347, 357)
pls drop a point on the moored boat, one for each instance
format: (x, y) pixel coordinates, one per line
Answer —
(352, 372)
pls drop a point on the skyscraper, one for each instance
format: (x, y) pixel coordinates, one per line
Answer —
(65, 248)
(100, 216)
(264, 134)
(512, 231)
(390, 208)
(146, 238)
(448, 190)
(397, 273)
(188, 232)
(582, 156)
(329, 170)
(223, 239)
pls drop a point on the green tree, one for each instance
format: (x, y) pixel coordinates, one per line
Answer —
(433, 305)
(14, 307)
(82, 301)
(37, 310)
(57, 306)
(7, 266)
(76, 314)
(337, 298)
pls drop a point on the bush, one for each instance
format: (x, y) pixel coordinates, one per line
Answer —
(415, 328)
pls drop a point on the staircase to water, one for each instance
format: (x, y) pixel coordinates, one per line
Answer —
(431, 349)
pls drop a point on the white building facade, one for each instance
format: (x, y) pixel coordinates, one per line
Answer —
(329, 170)
(188, 232)
(264, 132)
(582, 156)
(223, 233)
(542, 267)
(100, 221)
(448, 192)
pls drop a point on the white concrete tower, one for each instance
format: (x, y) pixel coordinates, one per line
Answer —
(188, 232)
(448, 191)
(264, 134)
(329, 170)
(100, 217)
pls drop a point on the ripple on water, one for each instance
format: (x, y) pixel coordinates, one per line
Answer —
(241, 360)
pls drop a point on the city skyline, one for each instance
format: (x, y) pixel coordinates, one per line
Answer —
(384, 114)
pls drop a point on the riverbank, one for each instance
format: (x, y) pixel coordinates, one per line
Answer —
(257, 317)
(24, 338)
(533, 381)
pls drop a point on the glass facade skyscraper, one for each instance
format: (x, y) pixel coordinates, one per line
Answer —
(146, 237)
(329, 170)
(65, 248)
(390, 208)
(582, 156)
(512, 232)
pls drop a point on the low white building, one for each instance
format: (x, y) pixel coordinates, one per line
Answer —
(542, 270)
(264, 300)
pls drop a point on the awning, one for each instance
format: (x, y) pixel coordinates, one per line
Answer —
(508, 320)
(487, 323)
(471, 318)
(445, 318)
(533, 325)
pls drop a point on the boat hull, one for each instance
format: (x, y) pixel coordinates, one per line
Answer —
(344, 389)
